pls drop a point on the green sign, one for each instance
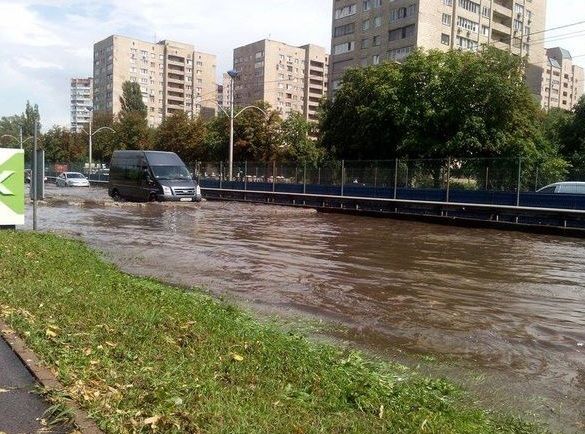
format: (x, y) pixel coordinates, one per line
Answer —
(11, 187)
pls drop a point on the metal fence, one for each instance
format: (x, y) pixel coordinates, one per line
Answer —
(511, 175)
(504, 175)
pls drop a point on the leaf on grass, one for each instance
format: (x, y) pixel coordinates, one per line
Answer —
(381, 412)
(237, 357)
(87, 351)
(111, 344)
(50, 333)
(151, 420)
(3, 391)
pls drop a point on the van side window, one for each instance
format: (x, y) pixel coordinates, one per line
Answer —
(548, 190)
(568, 188)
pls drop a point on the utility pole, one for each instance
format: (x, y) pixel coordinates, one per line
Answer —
(34, 177)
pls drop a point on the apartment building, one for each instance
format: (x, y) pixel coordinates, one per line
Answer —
(173, 77)
(81, 103)
(367, 32)
(561, 83)
(289, 78)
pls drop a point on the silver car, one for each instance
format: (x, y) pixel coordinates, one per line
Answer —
(72, 179)
(564, 188)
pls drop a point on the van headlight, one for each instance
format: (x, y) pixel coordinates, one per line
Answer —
(167, 191)
(198, 191)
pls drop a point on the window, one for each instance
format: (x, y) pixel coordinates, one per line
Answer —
(375, 59)
(367, 5)
(464, 23)
(445, 39)
(446, 20)
(401, 33)
(400, 13)
(470, 6)
(346, 47)
(366, 25)
(347, 29)
(345, 11)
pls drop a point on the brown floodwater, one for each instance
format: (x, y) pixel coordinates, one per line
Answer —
(501, 312)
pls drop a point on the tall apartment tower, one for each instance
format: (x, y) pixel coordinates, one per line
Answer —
(561, 82)
(81, 103)
(367, 32)
(289, 78)
(172, 76)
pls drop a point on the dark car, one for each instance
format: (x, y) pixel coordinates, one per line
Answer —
(151, 176)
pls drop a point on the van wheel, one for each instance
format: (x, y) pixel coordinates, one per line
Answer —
(152, 197)
(116, 196)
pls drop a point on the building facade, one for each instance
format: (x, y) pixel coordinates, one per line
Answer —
(368, 32)
(81, 103)
(291, 79)
(172, 76)
(561, 82)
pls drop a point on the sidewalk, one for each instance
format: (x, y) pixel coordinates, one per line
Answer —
(21, 409)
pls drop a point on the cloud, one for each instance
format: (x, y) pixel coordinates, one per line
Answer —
(31, 63)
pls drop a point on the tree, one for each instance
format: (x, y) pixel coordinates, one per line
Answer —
(434, 105)
(131, 100)
(256, 133)
(297, 144)
(182, 135)
(132, 131)
(63, 146)
(572, 136)
(30, 115)
(105, 142)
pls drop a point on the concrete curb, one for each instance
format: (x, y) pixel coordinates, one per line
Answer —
(46, 378)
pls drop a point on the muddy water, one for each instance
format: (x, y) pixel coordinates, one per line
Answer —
(502, 312)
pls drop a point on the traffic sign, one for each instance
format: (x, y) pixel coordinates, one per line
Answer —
(11, 187)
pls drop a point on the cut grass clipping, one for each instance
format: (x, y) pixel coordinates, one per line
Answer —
(142, 356)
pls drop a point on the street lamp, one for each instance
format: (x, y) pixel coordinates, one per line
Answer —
(19, 138)
(233, 74)
(91, 134)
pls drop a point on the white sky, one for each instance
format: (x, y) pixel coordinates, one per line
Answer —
(47, 42)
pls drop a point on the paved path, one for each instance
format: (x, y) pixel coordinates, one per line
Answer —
(21, 409)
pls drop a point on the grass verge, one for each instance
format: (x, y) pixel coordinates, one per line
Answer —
(141, 356)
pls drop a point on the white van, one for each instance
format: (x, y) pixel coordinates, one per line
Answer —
(564, 188)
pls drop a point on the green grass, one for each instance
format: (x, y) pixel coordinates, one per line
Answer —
(142, 356)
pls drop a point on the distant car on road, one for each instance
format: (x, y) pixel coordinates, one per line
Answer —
(72, 179)
(564, 188)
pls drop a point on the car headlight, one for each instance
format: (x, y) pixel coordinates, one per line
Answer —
(167, 191)
(198, 190)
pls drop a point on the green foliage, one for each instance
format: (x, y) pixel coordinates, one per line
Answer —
(296, 136)
(142, 356)
(105, 142)
(132, 132)
(131, 100)
(61, 145)
(11, 125)
(182, 135)
(256, 133)
(434, 105)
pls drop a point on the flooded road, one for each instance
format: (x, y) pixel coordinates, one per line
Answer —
(501, 312)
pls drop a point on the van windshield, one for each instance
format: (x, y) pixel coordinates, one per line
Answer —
(170, 173)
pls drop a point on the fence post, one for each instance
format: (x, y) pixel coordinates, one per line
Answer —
(220, 174)
(395, 177)
(342, 175)
(319, 176)
(245, 175)
(519, 180)
(305, 179)
(487, 175)
(536, 180)
(448, 178)
(273, 176)
(375, 174)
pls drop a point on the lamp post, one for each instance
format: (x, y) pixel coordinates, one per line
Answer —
(232, 116)
(90, 135)
(233, 74)
(19, 138)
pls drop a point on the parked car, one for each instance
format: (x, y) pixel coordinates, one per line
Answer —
(72, 179)
(151, 176)
(564, 188)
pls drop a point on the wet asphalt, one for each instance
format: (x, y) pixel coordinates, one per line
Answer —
(21, 408)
